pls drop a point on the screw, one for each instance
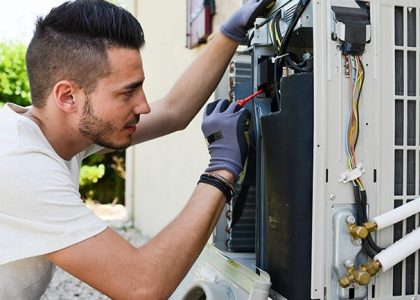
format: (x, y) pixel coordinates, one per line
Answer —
(350, 220)
(332, 197)
(348, 263)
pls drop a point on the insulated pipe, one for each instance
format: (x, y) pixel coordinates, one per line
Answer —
(398, 214)
(398, 251)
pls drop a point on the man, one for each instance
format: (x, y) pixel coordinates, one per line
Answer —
(86, 77)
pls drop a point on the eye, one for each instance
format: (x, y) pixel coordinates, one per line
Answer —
(129, 93)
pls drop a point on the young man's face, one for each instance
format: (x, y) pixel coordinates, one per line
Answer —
(113, 109)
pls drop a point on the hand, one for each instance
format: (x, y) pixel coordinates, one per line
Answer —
(225, 127)
(243, 19)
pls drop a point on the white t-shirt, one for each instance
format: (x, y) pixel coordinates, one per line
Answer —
(40, 206)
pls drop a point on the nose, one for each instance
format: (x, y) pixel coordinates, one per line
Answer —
(142, 106)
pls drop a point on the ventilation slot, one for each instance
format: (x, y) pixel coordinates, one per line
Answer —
(239, 75)
(406, 280)
(289, 13)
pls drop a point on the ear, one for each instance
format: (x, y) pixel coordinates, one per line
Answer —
(65, 95)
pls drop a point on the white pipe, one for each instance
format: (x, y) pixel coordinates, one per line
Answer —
(398, 214)
(398, 251)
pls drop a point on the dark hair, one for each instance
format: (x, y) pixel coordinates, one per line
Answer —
(71, 43)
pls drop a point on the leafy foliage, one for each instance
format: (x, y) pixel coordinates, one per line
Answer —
(14, 84)
(109, 187)
(91, 174)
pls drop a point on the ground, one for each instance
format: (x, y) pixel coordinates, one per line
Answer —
(66, 287)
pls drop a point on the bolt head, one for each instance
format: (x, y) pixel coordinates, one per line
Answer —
(350, 220)
(348, 263)
(363, 278)
(362, 232)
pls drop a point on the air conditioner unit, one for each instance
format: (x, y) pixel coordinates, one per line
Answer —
(337, 143)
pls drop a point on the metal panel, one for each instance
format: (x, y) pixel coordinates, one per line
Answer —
(389, 138)
(389, 144)
(331, 111)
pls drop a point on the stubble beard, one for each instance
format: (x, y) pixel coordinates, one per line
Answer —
(97, 129)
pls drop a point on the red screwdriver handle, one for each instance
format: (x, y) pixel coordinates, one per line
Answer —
(241, 102)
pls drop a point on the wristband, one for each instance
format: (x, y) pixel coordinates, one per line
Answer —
(231, 186)
(220, 183)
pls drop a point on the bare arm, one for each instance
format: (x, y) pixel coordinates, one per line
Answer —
(111, 265)
(154, 270)
(190, 92)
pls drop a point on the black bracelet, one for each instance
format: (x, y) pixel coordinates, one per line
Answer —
(231, 187)
(219, 182)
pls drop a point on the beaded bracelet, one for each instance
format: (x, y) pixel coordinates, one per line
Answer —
(219, 182)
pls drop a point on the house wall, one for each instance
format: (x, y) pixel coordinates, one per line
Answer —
(161, 174)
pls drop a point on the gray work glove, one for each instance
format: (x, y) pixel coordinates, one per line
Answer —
(243, 19)
(225, 127)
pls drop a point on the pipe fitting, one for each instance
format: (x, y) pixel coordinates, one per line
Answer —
(355, 277)
(370, 226)
(372, 267)
(344, 282)
(358, 231)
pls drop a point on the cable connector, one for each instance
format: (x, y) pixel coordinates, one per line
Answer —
(351, 26)
(351, 175)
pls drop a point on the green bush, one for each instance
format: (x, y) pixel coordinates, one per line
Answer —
(14, 84)
(108, 188)
(91, 174)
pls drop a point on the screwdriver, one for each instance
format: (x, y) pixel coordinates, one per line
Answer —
(241, 102)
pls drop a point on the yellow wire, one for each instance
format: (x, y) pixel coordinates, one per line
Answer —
(271, 32)
(353, 124)
(355, 87)
(359, 79)
(277, 36)
(360, 184)
(350, 126)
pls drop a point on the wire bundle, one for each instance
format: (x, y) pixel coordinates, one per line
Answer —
(280, 43)
(275, 33)
(357, 78)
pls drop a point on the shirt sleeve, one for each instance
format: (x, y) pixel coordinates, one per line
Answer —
(40, 207)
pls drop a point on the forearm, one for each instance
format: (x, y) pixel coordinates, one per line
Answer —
(199, 81)
(173, 251)
(189, 93)
(111, 265)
